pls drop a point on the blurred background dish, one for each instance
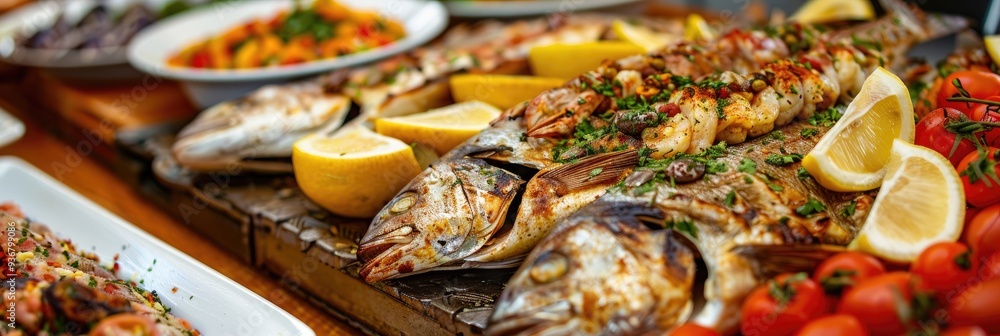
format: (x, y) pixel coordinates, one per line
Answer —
(422, 21)
(514, 8)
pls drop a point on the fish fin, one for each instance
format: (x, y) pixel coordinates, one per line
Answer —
(770, 260)
(592, 171)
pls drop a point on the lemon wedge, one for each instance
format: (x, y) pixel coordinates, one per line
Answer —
(696, 28)
(354, 173)
(566, 61)
(993, 47)
(502, 91)
(819, 11)
(853, 154)
(641, 36)
(443, 128)
(904, 218)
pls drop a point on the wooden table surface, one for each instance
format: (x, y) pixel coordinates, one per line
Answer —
(98, 183)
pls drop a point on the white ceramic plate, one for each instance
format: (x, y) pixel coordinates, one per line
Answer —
(11, 128)
(214, 304)
(473, 8)
(42, 14)
(423, 20)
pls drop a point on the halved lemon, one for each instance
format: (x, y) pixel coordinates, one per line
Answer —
(819, 11)
(566, 61)
(993, 47)
(443, 128)
(502, 91)
(921, 203)
(696, 28)
(641, 36)
(355, 173)
(853, 154)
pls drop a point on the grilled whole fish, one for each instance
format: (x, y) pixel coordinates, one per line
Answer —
(750, 203)
(651, 110)
(268, 121)
(601, 271)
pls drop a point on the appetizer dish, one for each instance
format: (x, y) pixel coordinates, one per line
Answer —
(58, 289)
(97, 29)
(325, 30)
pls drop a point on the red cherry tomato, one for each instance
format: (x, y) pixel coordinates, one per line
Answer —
(981, 189)
(201, 59)
(991, 114)
(982, 232)
(970, 213)
(874, 302)
(691, 329)
(964, 331)
(846, 269)
(979, 84)
(977, 306)
(990, 268)
(834, 325)
(943, 267)
(782, 306)
(931, 133)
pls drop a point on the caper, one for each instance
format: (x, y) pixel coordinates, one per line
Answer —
(758, 85)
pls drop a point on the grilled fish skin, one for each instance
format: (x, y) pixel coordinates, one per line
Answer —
(751, 202)
(738, 107)
(598, 264)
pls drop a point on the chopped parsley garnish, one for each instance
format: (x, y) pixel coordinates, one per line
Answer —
(793, 90)
(783, 159)
(808, 132)
(848, 210)
(802, 173)
(825, 118)
(747, 179)
(524, 137)
(685, 226)
(866, 43)
(45, 253)
(730, 199)
(747, 166)
(456, 182)
(720, 108)
(75, 264)
(92, 283)
(774, 187)
(812, 206)
(581, 101)
(595, 172)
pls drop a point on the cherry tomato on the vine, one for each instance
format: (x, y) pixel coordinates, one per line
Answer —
(989, 114)
(846, 269)
(875, 302)
(981, 177)
(979, 84)
(782, 306)
(930, 132)
(945, 266)
(982, 232)
(977, 306)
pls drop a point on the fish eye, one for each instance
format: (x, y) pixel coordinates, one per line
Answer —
(549, 267)
(403, 203)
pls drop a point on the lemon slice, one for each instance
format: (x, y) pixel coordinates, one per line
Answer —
(641, 36)
(819, 11)
(993, 47)
(905, 219)
(696, 28)
(355, 173)
(501, 91)
(442, 129)
(566, 61)
(853, 154)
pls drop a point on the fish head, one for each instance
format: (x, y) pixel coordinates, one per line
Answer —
(594, 277)
(446, 213)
